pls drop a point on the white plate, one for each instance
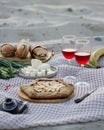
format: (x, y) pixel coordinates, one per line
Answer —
(55, 69)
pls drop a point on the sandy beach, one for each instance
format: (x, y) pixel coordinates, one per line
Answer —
(41, 20)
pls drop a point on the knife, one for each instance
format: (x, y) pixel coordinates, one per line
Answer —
(78, 100)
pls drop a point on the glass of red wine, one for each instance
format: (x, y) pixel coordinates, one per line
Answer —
(68, 47)
(82, 55)
(68, 50)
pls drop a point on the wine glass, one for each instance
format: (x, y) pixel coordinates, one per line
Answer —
(68, 50)
(68, 47)
(82, 55)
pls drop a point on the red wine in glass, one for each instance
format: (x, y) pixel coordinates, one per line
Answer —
(82, 57)
(68, 47)
(68, 50)
(68, 53)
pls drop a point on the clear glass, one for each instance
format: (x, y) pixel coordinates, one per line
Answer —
(68, 47)
(68, 50)
(82, 55)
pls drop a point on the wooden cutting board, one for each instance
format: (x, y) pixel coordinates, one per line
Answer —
(23, 96)
(27, 59)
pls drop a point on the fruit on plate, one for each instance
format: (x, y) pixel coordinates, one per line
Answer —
(39, 52)
(22, 50)
(8, 50)
(95, 56)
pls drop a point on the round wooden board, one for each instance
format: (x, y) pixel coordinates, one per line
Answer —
(27, 59)
(23, 96)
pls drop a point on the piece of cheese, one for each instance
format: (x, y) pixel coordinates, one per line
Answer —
(44, 66)
(35, 63)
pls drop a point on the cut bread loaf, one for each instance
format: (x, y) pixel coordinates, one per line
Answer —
(39, 52)
(22, 50)
(8, 50)
(46, 88)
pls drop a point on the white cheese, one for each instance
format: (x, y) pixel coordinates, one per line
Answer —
(43, 72)
(39, 73)
(28, 67)
(37, 68)
(50, 72)
(33, 74)
(35, 63)
(44, 66)
(27, 73)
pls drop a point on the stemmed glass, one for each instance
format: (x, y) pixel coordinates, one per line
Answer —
(82, 55)
(68, 50)
(68, 47)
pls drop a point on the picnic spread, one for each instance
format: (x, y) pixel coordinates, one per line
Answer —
(35, 91)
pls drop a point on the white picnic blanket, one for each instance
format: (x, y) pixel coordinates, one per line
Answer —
(41, 114)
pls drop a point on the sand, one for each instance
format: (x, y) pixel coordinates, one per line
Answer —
(41, 20)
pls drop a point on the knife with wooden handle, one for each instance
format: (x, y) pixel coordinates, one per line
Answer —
(78, 100)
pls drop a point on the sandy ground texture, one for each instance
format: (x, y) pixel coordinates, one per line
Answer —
(41, 20)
